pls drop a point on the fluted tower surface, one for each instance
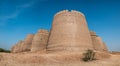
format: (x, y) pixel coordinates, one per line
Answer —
(97, 42)
(69, 32)
(17, 47)
(28, 42)
(40, 41)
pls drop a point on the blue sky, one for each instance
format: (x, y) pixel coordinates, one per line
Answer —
(21, 17)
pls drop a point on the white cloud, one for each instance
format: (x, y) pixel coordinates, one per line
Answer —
(26, 5)
(4, 19)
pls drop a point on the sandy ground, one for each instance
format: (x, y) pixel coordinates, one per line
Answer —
(37, 59)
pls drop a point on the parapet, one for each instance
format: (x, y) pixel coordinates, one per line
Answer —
(71, 12)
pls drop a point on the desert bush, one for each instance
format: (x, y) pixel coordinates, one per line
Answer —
(89, 55)
(3, 50)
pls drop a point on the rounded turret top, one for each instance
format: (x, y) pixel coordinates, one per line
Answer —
(29, 36)
(70, 12)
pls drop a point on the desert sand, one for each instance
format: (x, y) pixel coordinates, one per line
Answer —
(57, 59)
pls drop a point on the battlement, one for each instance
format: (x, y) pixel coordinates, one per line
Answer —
(69, 12)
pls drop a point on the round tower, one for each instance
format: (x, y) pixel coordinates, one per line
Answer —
(17, 47)
(69, 32)
(40, 41)
(97, 42)
(27, 42)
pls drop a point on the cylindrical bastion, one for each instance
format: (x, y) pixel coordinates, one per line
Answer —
(97, 42)
(69, 32)
(28, 42)
(40, 41)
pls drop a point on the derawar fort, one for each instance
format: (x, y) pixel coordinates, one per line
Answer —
(69, 33)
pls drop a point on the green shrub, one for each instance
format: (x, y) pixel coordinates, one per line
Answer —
(89, 55)
(3, 50)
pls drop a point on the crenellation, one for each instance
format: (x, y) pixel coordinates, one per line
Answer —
(68, 13)
(70, 16)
